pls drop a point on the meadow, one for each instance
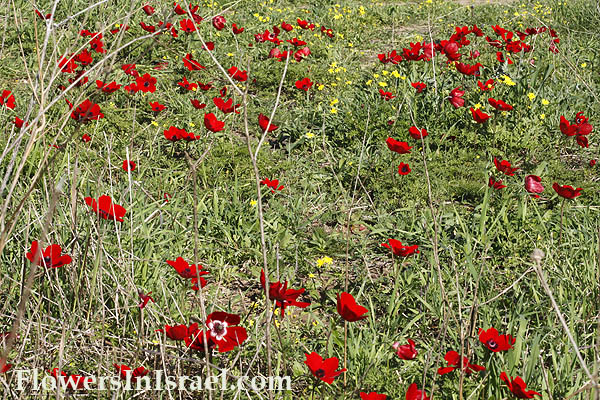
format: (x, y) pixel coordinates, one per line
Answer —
(381, 199)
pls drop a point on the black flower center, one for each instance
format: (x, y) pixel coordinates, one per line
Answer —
(320, 373)
(404, 168)
(218, 328)
(47, 260)
(492, 344)
(146, 84)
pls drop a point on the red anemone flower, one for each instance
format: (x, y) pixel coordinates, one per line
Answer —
(386, 95)
(197, 105)
(187, 271)
(70, 381)
(51, 257)
(417, 133)
(518, 387)
(187, 25)
(397, 146)
(145, 299)
(456, 98)
(479, 116)
(372, 396)
(264, 123)
(218, 22)
(286, 27)
(148, 28)
(566, 191)
(208, 46)
(419, 86)
(495, 342)
(187, 85)
(413, 393)
(499, 105)
(107, 87)
(87, 111)
(179, 332)
(181, 11)
(495, 184)
(505, 167)
(349, 309)
(157, 107)
(191, 64)
(105, 208)
(400, 250)
(453, 360)
(212, 123)
(125, 370)
(222, 330)
(129, 69)
(324, 370)
(128, 165)
(146, 83)
(238, 74)
(283, 296)
(273, 184)
(174, 134)
(236, 30)
(86, 138)
(225, 106)
(5, 367)
(304, 84)
(148, 9)
(42, 16)
(403, 169)
(97, 45)
(301, 54)
(533, 185)
(7, 99)
(467, 69)
(488, 85)
(405, 351)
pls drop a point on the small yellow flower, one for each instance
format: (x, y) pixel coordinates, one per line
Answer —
(334, 102)
(477, 106)
(395, 74)
(368, 83)
(321, 87)
(309, 135)
(315, 323)
(583, 65)
(192, 124)
(542, 116)
(252, 203)
(350, 44)
(545, 102)
(375, 76)
(348, 82)
(230, 54)
(324, 260)
(311, 275)
(506, 80)
(333, 110)
(382, 84)
(154, 123)
(384, 72)
(531, 96)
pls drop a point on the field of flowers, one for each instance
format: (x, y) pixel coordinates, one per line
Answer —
(380, 200)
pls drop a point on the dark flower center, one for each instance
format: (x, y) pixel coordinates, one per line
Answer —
(218, 328)
(404, 168)
(320, 373)
(187, 270)
(146, 84)
(47, 260)
(492, 345)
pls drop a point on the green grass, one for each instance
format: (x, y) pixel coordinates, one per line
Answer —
(342, 198)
